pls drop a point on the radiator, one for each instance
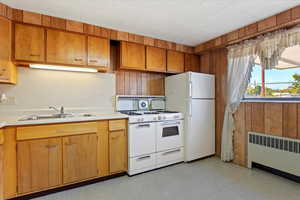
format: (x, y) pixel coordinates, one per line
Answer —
(276, 152)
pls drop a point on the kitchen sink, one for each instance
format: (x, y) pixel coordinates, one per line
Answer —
(40, 117)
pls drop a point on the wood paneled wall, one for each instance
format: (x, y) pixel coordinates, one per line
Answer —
(278, 119)
(139, 83)
(215, 62)
(23, 16)
(284, 19)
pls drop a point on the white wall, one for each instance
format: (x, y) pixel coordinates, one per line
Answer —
(38, 89)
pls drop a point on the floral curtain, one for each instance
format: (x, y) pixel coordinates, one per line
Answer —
(241, 59)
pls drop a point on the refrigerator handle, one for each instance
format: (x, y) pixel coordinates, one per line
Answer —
(190, 109)
(190, 89)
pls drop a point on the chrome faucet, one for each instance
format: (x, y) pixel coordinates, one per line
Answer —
(61, 110)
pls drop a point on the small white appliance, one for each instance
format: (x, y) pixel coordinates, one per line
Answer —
(193, 94)
(155, 137)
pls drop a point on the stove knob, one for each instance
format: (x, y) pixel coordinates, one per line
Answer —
(159, 117)
(165, 117)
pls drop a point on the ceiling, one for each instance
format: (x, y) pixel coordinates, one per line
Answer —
(188, 22)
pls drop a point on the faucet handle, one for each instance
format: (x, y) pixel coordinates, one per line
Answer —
(62, 110)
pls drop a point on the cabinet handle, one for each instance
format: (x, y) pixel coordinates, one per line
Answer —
(70, 144)
(78, 59)
(34, 54)
(115, 137)
(93, 61)
(51, 146)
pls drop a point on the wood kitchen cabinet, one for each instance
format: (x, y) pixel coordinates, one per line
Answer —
(80, 157)
(133, 56)
(192, 63)
(98, 52)
(66, 48)
(175, 61)
(156, 59)
(39, 164)
(7, 68)
(117, 146)
(29, 43)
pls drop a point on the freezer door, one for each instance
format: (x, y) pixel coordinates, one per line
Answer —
(201, 86)
(200, 129)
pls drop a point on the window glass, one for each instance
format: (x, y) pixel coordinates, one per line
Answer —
(282, 82)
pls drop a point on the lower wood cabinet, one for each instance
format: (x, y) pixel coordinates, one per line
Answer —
(40, 157)
(39, 164)
(80, 158)
(117, 151)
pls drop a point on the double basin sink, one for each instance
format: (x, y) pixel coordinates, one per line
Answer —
(54, 116)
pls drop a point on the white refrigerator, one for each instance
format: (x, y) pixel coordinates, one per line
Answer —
(193, 94)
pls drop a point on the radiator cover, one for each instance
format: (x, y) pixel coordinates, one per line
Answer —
(276, 152)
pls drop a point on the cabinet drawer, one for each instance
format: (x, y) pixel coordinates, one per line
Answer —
(169, 157)
(57, 130)
(142, 162)
(1, 136)
(115, 125)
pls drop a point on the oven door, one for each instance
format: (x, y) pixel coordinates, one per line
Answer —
(169, 135)
(141, 139)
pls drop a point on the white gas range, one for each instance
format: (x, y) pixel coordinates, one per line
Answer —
(155, 137)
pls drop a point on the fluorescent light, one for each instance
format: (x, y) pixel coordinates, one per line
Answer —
(62, 68)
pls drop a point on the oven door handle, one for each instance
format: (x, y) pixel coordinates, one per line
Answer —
(143, 158)
(170, 123)
(143, 125)
(170, 152)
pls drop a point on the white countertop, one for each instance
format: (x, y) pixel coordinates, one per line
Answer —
(15, 120)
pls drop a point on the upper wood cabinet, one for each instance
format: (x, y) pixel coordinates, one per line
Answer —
(192, 63)
(156, 59)
(7, 68)
(39, 164)
(132, 56)
(80, 157)
(98, 52)
(66, 48)
(29, 43)
(175, 61)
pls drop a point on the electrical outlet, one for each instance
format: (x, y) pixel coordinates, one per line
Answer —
(9, 101)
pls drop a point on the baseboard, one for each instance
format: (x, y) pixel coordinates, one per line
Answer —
(67, 187)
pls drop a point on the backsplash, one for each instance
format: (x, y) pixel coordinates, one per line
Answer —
(39, 89)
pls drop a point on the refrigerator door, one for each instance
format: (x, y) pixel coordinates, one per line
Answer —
(201, 86)
(200, 129)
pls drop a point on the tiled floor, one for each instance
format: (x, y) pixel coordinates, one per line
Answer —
(209, 179)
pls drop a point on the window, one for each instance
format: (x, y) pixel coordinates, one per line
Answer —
(282, 82)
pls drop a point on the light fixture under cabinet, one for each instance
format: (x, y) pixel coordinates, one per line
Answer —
(63, 68)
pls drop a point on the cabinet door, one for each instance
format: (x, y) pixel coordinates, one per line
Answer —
(7, 68)
(80, 157)
(39, 164)
(117, 151)
(66, 48)
(192, 63)
(156, 59)
(98, 52)
(133, 56)
(29, 43)
(175, 62)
